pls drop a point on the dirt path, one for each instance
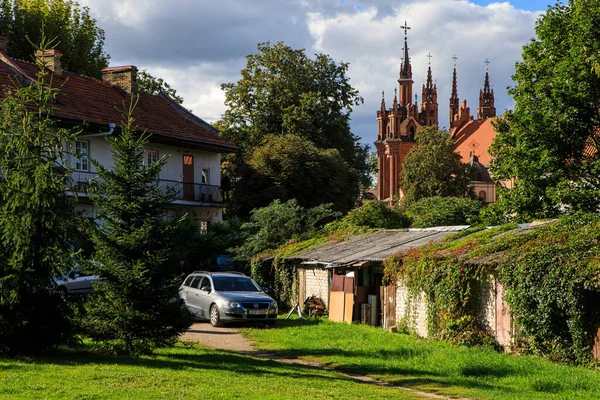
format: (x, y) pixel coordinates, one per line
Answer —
(224, 338)
(227, 338)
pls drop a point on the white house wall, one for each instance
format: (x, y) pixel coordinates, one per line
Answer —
(100, 150)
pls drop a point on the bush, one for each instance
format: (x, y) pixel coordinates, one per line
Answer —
(444, 211)
(376, 214)
(278, 223)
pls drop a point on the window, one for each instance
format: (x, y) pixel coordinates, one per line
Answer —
(481, 195)
(205, 284)
(195, 282)
(203, 227)
(82, 150)
(189, 280)
(151, 157)
(205, 176)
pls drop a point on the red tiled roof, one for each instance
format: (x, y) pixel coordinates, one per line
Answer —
(475, 138)
(87, 99)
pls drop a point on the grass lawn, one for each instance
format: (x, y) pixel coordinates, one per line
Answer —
(430, 366)
(184, 372)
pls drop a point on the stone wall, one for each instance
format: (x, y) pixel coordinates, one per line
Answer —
(411, 310)
(484, 292)
(316, 283)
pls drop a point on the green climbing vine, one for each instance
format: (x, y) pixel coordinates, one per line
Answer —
(551, 277)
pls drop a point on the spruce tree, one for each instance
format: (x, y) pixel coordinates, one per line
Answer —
(136, 307)
(36, 217)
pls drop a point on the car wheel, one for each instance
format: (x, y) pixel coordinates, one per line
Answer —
(215, 318)
(63, 291)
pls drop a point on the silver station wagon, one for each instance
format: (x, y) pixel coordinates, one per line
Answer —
(224, 297)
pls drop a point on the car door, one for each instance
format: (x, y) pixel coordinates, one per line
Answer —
(191, 295)
(205, 297)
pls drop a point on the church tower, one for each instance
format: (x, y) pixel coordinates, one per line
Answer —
(454, 101)
(429, 105)
(486, 98)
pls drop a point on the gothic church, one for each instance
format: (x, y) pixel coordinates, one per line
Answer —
(398, 125)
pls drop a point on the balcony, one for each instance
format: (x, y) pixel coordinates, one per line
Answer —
(198, 193)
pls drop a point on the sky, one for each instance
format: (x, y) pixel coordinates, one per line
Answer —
(196, 45)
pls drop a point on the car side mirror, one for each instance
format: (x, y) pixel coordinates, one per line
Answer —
(205, 289)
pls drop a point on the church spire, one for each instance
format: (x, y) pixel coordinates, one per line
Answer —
(405, 80)
(429, 106)
(382, 109)
(454, 100)
(486, 98)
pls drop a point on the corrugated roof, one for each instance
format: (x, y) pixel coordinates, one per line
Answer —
(375, 247)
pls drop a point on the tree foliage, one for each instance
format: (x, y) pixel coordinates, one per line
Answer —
(150, 84)
(293, 167)
(284, 92)
(36, 218)
(280, 222)
(136, 306)
(432, 168)
(78, 37)
(444, 211)
(376, 214)
(549, 142)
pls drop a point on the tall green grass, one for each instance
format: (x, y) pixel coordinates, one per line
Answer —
(431, 366)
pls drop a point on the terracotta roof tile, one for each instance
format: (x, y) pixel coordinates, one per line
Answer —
(475, 138)
(97, 102)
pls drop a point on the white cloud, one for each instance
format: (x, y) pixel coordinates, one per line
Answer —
(196, 45)
(373, 43)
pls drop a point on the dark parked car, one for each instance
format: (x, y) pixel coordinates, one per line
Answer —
(227, 297)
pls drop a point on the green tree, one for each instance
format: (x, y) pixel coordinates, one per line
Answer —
(150, 84)
(549, 142)
(293, 167)
(444, 211)
(432, 168)
(281, 92)
(280, 222)
(78, 37)
(36, 218)
(136, 306)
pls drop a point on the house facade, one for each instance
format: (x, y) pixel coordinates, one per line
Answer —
(192, 146)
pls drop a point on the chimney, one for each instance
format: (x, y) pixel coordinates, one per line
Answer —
(124, 77)
(50, 59)
(3, 43)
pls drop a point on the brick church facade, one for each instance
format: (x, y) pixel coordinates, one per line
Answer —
(398, 126)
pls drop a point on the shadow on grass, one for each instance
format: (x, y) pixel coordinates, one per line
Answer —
(186, 359)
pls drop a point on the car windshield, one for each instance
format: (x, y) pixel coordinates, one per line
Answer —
(234, 284)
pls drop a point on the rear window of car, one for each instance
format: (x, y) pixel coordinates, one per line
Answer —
(195, 282)
(234, 284)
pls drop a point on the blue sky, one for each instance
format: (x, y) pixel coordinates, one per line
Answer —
(530, 5)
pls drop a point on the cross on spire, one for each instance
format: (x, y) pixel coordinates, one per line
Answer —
(454, 58)
(487, 63)
(429, 56)
(406, 29)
